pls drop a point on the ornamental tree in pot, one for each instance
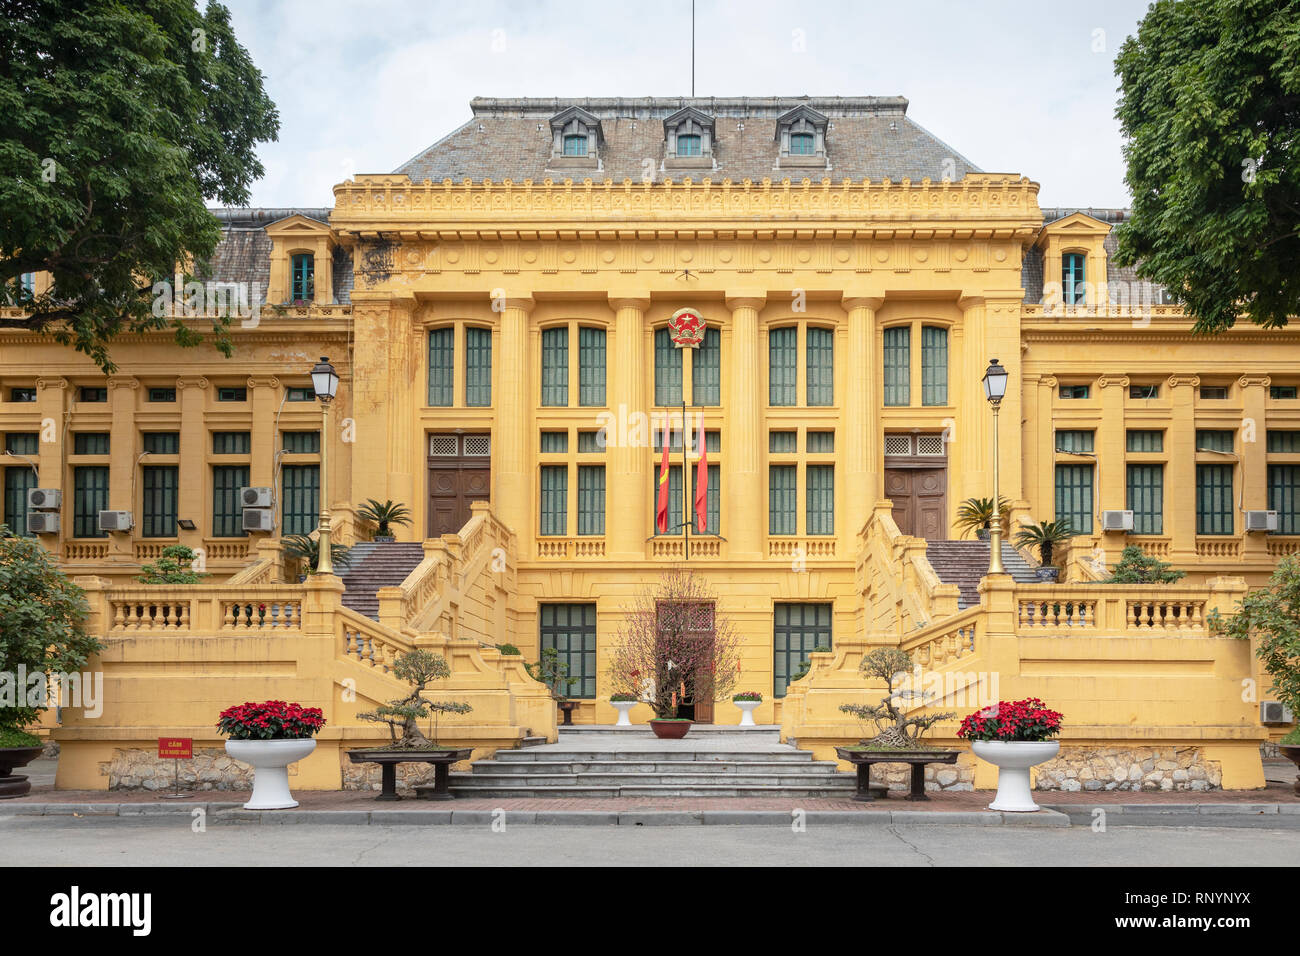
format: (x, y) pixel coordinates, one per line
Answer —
(270, 736)
(419, 668)
(383, 515)
(42, 616)
(894, 728)
(1013, 736)
(1045, 536)
(675, 649)
(976, 514)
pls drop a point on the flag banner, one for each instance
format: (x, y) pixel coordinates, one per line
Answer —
(661, 512)
(702, 482)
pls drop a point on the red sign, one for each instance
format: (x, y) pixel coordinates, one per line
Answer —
(175, 748)
(687, 327)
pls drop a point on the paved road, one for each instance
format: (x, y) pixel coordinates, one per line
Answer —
(120, 842)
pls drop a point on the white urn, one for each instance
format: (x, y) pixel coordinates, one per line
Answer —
(1013, 758)
(270, 760)
(624, 708)
(747, 708)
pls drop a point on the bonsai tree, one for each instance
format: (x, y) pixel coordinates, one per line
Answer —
(976, 514)
(1272, 615)
(551, 671)
(1137, 567)
(176, 566)
(383, 515)
(1044, 536)
(674, 647)
(419, 668)
(42, 616)
(305, 548)
(894, 728)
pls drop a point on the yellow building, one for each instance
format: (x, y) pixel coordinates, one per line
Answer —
(498, 311)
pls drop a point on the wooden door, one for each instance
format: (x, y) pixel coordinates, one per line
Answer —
(920, 497)
(460, 473)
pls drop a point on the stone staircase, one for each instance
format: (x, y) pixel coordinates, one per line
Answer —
(634, 763)
(375, 565)
(963, 563)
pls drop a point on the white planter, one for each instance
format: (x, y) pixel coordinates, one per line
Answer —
(270, 760)
(1013, 758)
(747, 711)
(624, 707)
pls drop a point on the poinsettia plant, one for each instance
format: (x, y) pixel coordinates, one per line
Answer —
(272, 720)
(1028, 719)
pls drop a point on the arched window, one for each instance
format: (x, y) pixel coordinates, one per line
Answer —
(1072, 278)
(802, 144)
(304, 277)
(575, 144)
(688, 146)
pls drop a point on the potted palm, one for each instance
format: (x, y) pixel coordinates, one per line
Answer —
(383, 515)
(306, 550)
(1013, 736)
(747, 701)
(1045, 536)
(976, 514)
(270, 736)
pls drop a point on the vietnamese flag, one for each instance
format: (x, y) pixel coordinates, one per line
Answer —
(661, 512)
(702, 482)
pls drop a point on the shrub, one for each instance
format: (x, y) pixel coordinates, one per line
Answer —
(176, 566)
(622, 698)
(1137, 567)
(509, 650)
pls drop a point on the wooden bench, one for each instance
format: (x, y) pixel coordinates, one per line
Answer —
(389, 759)
(863, 759)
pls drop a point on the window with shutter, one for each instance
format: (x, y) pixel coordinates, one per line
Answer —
(555, 367)
(782, 365)
(898, 365)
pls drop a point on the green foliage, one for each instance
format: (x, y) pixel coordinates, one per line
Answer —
(974, 514)
(1210, 105)
(1137, 567)
(117, 122)
(509, 650)
(176, 566)
(1272, 616)
(806, 664)
(305, 548)
(552, 672)
(384, 514)
(622, 698)
(42, 616)
(419, 668)
(893, 728)
(13, 737)
(1044, 536)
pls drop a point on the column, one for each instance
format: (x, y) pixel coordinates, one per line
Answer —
(50, 401)
(1251, 479)
(513, 476)
(400, 443)
(744, 521)
(627, 489)
(193, 492)
(970, 455)
(374, 406)
(862, 440)
(1180, 477)
(263, 399)
(123, 466)
(1111, 447)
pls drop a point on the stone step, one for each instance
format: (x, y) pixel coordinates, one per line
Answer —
(642, 730)
(659, 768)
(622, 780)
(537, 754)
(461, 786)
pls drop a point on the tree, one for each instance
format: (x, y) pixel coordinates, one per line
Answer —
(42, 615)
(176, 566)
(1272, 615)
(419, 668)
(548, 670)
(1210, 106)
(117, 122)
(1137, 567)
(894, 728)
(674, 647)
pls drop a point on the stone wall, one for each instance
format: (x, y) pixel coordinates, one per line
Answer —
(1142, 768)
(957, 776)
(366, 776)
(210, 769)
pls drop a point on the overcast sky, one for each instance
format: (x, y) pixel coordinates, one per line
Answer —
(362, 86)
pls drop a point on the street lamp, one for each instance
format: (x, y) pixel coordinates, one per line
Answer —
(325, 382)
(995, 388)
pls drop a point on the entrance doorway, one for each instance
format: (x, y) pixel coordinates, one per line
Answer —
(698, 690)
(916, 481)
(460, 473)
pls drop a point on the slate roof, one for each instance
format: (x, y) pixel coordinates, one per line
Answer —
(867, 138)
(1031, 273)
(244, 252)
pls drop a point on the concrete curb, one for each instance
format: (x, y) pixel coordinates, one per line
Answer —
(1274, 816)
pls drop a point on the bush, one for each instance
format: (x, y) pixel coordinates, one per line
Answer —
(509, 650)
(1137, 567)
(1272, 615)
(176, 566)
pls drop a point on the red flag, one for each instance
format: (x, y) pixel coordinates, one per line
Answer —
(661, 512)
(702, 482)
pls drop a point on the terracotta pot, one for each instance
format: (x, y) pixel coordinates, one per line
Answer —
(1292, 753)
(670, 729)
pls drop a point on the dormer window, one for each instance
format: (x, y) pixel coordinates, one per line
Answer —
(688, 139)
(688, 146)
(1072, 287)
(303, 277)
(802, 144)
(575, 139)
(575, 144)
(801, 137)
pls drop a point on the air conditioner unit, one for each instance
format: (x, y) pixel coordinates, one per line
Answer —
(255, 497)
(1261, 520)
(115, 521)
(1117, 521)
(44, 499)
(1275, 712)
(42, 522)
(258, 519)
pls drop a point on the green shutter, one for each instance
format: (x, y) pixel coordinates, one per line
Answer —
(1072, 273)
(1284, 497)
(668, 370)
(478, 367)
(158, 502)
(554, 443)
(820, 346)
(782, 499)
(589, 443)
(782, 365)
(227, 509)
(934, 365)
(820, 517)
(820, 443)
(1214, 499)
(302, 443)
(555, 367)
(301, 484)
(591, 499)
(706, 375)
(231, 443)
(898, 365)
(161, 443)
(554, 500)
(674, 499)
(442, 367)
(1146, 498)
(798, 630)
(18, 480)
(1145, 440)
(1074, 496)
(591, 367)
(1075, 441)
(89, 498)
(1217, 439)
(90, 443)
(304, 277)
(711, 509)
(1283, 442)
(782, 442)
(570, 629)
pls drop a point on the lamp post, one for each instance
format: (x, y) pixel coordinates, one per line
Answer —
(995, 387)
(325, 382)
